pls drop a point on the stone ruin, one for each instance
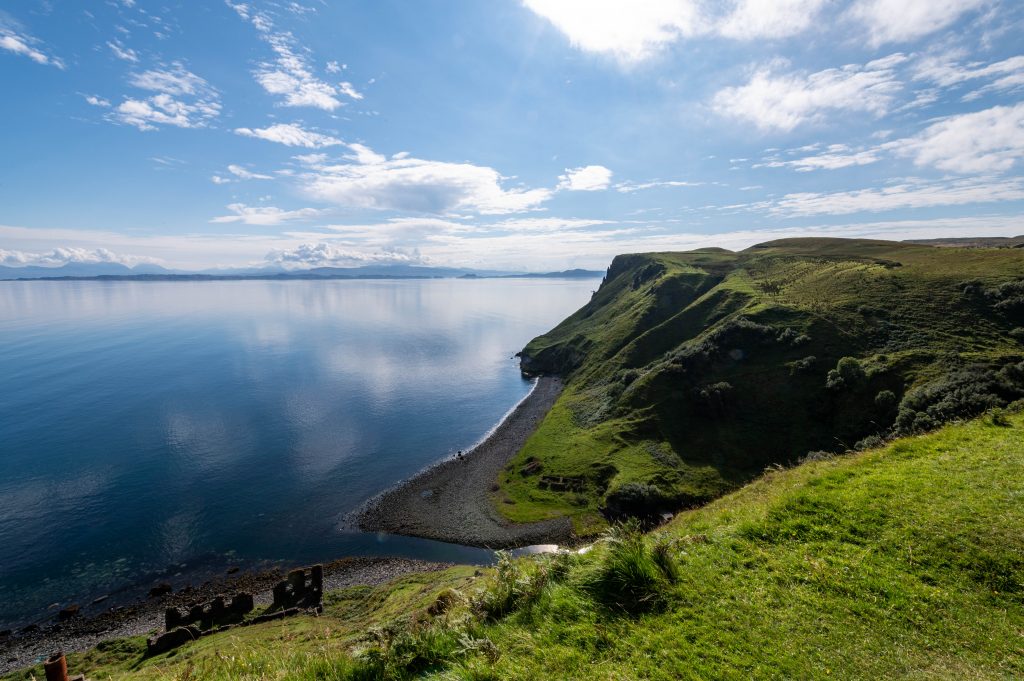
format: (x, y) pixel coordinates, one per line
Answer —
(211, 614)
(302, 589)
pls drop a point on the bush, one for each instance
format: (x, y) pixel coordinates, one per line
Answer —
(965, 392)
(847, 374)
(870, 442)
(517, 584)
(636, 500)
(885, 401)
(632, 577)
(998, 417)
(403, 652)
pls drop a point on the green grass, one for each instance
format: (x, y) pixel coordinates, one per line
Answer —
(900, 562)
(692, 372)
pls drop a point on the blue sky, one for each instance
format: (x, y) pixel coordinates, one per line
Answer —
(517, 134)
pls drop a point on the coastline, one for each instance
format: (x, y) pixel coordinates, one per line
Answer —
(26, 648)
(451, 501)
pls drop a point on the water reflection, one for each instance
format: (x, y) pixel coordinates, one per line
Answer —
(150, 423)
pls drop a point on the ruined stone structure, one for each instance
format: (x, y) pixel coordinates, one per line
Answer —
(302, 590)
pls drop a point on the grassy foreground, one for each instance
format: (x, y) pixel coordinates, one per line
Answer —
(905, 561)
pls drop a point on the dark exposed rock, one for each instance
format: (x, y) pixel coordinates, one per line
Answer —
(172, 639)
(160, 590)
(67, 613)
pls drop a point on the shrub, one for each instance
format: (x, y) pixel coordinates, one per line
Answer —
(804, 364)
(885, 400)
(630, 577)
(517, 584)
(402, 652)
(870, 442)
(964, 392)
(847, 374)
(636, 500)
(998, 417)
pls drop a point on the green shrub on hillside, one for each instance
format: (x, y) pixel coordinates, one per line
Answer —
(847, 374)
(962, 393)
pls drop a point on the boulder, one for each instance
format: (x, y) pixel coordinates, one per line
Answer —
(171, 640)
(160, 590)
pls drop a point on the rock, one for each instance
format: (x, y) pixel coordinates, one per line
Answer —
(232, 570)
(97, 601)
(67, 613)
(171, 640)
(242, 604)
(160, 590)
(4, 635)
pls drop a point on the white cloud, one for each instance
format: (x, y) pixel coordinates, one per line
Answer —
(334, 67)
(174, 79)
(65, 255)
(634, 31)
(411, 184)
(245, 174)
(890, 21)
(330, 255)
(184, 100)
(628, 31)
(265, 216)
(349, 90)
(945, 71)
(290, 135)
(909, 194)
(290, 75)
(96, 101)
(981, 142)
(543, 224)
(217, 179)
(784, 101)
(629, 187)
(163, 109)
(838, 156)
(122, 52)
(23, 45)
(770, 18)
(585, 179)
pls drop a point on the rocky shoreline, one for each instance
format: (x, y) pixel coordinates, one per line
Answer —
(34, 643)
(451, 501)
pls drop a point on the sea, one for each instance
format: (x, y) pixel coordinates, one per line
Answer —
(169, 430)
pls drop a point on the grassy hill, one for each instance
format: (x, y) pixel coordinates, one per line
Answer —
(689, 373)
(905, 561)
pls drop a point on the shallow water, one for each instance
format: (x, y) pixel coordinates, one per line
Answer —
(163, 428)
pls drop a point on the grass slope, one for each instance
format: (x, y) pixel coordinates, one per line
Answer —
(689, 373)
(900, 562)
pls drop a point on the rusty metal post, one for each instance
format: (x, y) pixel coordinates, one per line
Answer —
(56, 667)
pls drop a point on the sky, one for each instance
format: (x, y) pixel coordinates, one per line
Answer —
(531, 135)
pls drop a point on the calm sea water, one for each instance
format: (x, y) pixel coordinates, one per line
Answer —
(154, 430)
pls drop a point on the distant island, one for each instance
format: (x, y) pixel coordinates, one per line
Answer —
(108, 271)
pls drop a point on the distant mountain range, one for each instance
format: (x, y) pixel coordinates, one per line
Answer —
(116, 271)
